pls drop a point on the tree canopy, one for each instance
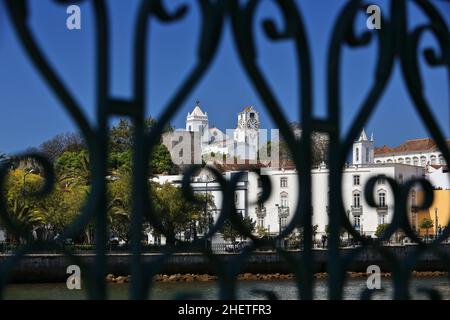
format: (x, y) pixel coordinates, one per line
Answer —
(230, 233)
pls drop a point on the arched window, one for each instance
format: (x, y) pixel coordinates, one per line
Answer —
(356, 199)
(400, 160)
(389, 161)
(284, 200)
(441, 160)
(433, 159)
(378, 161)
(423, 161)
(408, 161)
(382, 198)
(415, 161)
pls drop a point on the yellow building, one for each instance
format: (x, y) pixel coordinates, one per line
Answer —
(439, 210)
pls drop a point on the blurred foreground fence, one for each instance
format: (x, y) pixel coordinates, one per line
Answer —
(396, 42)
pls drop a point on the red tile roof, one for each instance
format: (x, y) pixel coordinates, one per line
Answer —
(416, 145)
(248, 165)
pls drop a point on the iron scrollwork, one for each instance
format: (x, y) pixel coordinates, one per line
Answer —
(395, 43)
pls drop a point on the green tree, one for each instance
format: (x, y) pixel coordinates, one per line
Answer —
(74, 167)
(230, 233)
(61, 143)
(381, 228)
(122, 160)
(161, 161)
(120, 205)
(426, 223)
(60, 208)
(297, 238)
(25, 217)
(21, 205)
(121, 134)
(177, 214)
(121, 146)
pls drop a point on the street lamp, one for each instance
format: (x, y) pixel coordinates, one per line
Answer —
(435, 223)
(24, 178)
(27, 173)
(206, 206)
(279, 218)
(348, 232)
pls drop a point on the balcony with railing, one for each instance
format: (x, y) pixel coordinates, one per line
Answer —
(382, 209)
(260, 212)
(357, 210)
(283, 212)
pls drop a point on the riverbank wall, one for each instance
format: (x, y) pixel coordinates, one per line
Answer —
(43, 267)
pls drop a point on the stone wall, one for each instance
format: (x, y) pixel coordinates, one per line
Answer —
(52, 267)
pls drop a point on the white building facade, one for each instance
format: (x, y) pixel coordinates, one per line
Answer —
(277, 211)
(418, 152)
(438, 176)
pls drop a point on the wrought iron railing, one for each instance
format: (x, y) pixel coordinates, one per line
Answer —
(357, 210)
(396, 42)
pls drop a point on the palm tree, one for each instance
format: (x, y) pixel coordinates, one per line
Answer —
(25, 217)
(426, 223)
(118, 218)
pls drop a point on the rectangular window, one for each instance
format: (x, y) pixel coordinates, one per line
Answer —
(356, 200)
(283, 223)
(261, 223)
(283, 182)
(382, 199)
(356, 180)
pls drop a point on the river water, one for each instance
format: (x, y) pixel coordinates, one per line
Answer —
(251, 290)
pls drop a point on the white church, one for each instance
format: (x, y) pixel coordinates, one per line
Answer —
(200, 141)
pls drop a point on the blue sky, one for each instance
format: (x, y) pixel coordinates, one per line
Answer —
(30, 114)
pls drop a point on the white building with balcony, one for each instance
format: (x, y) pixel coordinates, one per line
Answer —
(277, 211)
